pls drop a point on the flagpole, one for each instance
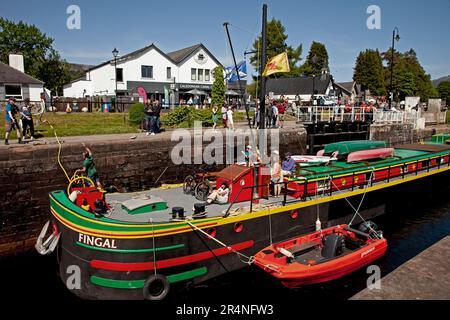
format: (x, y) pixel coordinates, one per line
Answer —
(237, 71)
(253, 142)
(262, 103)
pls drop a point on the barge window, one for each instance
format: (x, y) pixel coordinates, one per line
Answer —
(323, 185)
(425, 163)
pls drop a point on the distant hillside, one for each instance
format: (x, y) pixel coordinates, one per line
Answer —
(437, 81)
(78, 70)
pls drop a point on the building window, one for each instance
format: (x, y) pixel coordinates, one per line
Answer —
(207, 75)
(119, 74)
(193, 74)
(147, 72)
(169, 73)
(200, 74)
(13, 91)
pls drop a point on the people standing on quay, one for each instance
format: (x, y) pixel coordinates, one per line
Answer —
(274, 115)
(230, 121)
(156, 117)
(281, 111)
(27, 119)
(224, 115)
(148, 110)
(10, 121)
(215, 117)
(256, 119)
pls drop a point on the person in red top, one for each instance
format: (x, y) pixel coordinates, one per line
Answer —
(281, 111)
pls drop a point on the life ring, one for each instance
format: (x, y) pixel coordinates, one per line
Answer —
(156, 287)
(49, 245)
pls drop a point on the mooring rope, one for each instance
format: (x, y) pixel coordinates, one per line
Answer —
(360, 203)
(59, 145)
(249, 261)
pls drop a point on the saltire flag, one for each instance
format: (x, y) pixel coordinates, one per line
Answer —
(231, 74)
(279, 63)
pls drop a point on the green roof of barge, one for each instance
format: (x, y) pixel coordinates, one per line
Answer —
(342, 167)
(441, 138)
(346, 147)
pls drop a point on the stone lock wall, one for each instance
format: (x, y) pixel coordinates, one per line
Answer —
(29, 173)
(395, 134)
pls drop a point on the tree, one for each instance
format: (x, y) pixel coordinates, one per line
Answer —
(276, 44)
(55, 73)
(444, 91)
(24, 39)
(309, 68)
(409, 77)
(41, 60)
(369, 72)
(218, 87)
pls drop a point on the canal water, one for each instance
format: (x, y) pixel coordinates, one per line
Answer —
(410, 227)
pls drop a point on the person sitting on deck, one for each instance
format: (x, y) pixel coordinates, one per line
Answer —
(89, 167)
(288, 165)
(248, 156)
(220, 195)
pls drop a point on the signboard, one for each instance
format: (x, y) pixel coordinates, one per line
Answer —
(190, 86)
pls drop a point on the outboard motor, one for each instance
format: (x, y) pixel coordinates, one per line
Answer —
(368, 227)
(332, 246)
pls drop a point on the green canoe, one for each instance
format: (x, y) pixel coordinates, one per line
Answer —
(346, 147)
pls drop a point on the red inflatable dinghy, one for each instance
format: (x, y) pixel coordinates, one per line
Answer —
(321, 256)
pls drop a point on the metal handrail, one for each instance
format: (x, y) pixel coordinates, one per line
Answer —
(353, 184)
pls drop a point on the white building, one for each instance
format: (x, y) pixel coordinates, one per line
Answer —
(157, 72)
(14, 83)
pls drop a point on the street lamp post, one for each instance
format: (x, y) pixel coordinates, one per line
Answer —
(115, 53)
(395, 37)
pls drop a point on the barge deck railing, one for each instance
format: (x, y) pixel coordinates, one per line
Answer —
(324, 186)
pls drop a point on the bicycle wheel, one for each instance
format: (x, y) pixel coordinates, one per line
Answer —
(189, 185)
(202, 191)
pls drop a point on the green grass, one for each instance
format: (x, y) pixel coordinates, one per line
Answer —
(85, 124)
(79, 124)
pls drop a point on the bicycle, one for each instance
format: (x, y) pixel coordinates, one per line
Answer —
(200, 184)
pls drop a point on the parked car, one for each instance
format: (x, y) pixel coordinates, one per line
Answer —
(327, 101)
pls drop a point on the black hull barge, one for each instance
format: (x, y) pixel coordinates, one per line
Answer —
(145, 246)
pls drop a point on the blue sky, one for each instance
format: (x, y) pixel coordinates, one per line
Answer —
(171, 25)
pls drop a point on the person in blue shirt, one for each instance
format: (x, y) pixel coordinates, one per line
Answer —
(288, 165)
(10, 120)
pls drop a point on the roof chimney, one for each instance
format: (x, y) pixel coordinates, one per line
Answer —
(16, 62)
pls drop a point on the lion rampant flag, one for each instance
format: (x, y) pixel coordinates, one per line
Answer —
(279, 63)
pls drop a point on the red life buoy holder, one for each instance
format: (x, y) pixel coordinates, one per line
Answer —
(156, 287)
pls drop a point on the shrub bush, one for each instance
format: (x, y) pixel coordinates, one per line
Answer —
(184, 117)
(136, 113)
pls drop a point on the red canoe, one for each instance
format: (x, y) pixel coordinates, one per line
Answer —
(381, 153)
(321, 256)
